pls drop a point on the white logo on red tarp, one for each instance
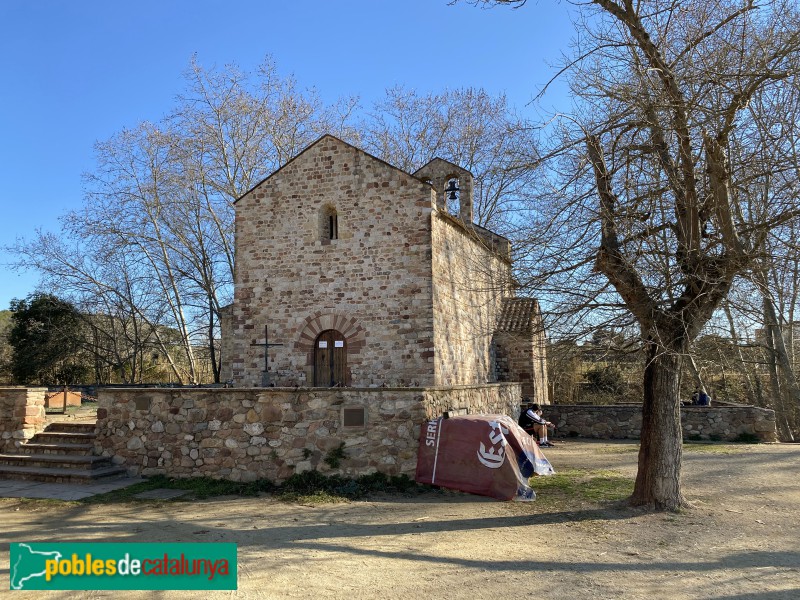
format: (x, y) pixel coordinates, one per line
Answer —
(495, 455)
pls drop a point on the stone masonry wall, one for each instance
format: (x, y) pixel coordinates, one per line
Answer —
(373, 283)
(625, 421)
(491, 399)
(248, 434)
(541, 380)
(21, 415)
(521, 358)
(469, 284)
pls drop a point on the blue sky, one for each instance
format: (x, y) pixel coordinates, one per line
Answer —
(76, 71)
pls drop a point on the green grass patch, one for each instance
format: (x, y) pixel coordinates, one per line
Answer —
(592, 485)
(310, 487)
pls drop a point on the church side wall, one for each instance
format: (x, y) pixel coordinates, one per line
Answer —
(469, 284)
(516, 362)
(373, 283)
(522, 357)
(539, 359)
(248, 434)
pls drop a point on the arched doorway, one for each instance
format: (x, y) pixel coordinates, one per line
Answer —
(330, 359)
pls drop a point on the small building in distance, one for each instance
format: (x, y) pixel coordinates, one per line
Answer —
(361, 277)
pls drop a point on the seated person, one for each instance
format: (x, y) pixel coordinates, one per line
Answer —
(531, 420)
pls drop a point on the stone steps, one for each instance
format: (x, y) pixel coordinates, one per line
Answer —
(65, 461)
(55, 448)
(59, 475)
(62, 437)
(62, 453)
(71, 427)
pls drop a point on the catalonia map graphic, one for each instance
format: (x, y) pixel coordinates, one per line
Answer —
(27, 564)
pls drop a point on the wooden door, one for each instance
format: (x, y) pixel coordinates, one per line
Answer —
(330, 359)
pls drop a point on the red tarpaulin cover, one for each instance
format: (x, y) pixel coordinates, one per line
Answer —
(489, 455)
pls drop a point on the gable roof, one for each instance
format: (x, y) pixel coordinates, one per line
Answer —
(319, 140)
(436, 162)
(519, 315)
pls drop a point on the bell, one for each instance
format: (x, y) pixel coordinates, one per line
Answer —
(452, 188)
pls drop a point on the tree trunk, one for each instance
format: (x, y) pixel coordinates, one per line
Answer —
(786, 391)
(212, 349)
(658, 480)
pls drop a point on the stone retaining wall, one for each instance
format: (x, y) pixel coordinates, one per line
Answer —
(700, 422)
(21, 415)
(489, 399)
(247, 434)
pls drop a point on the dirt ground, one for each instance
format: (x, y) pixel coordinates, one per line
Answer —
(741, 541)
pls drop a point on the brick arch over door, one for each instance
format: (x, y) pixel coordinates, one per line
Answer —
(351, 329)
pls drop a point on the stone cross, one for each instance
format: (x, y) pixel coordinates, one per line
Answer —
(266, 345)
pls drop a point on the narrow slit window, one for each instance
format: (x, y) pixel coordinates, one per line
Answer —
(333, 226)
(328, 224)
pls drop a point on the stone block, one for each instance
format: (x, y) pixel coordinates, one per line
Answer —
(303, 466)
(134, 443)
(270, 413)
(254, 428)
(195, 415)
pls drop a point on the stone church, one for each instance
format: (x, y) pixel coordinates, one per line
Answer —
(353, 273)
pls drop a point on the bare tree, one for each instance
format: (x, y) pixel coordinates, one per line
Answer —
(468, 127)
(152, 249)
(653, 180)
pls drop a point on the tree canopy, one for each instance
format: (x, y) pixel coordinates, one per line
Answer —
(47, 338)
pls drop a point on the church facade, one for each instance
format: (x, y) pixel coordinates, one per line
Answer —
(353, 273)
